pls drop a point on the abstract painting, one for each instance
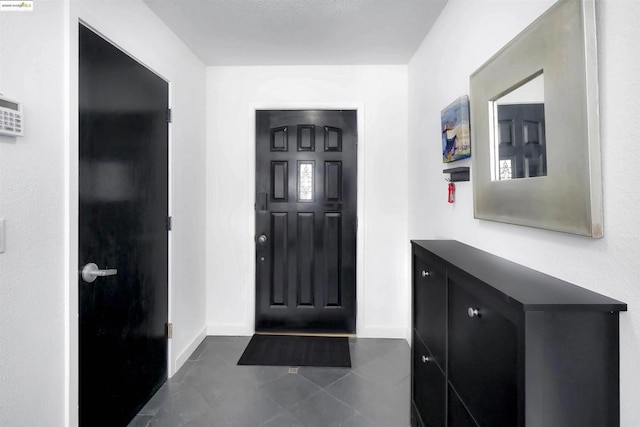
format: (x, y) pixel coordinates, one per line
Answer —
(456, 139)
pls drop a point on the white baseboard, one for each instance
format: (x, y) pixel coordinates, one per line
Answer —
(382, 332)
(184, 356)
(241, 329)
(229, 329)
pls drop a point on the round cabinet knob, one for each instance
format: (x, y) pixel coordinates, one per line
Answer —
(262, 238)
(425, 273)
(473, 312)
(425, 359)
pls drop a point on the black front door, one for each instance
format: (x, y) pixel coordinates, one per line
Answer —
(123, 150)
(306, 221)
(522, 149)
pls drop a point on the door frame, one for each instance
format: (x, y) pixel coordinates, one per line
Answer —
(73, 17)
(360, 212)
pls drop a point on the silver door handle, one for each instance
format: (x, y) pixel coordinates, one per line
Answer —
(91, 271)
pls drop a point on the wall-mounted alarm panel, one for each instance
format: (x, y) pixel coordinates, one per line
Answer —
(11, 119)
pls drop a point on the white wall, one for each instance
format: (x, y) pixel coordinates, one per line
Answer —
(38, 198)
(380, 93)
(464, 37)
(32, 202)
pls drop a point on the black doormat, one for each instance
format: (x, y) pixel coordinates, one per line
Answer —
(286, 350)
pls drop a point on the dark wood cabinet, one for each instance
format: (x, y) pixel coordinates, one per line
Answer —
(498, 344)
(457, 414)
(429, 394)
(430, 319)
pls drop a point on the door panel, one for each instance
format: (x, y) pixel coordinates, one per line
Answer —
(486, 338)
(428, 383)
(123, 187)
(306, 221)
(457, 414)
(430, 305)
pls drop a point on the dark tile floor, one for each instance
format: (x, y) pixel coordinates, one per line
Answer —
(211, 390)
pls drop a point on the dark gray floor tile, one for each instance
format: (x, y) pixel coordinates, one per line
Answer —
(179, 376)
(321, 410)
(260, 375)
(199, 351)
(283, 419)
(376, 347)
(403, 389)
(140, 421)
(187, 408)
(384, 372)
(155, 403)
(211, 390)
(359, 420)
(227, 338)
(374, 402)
(227, 349)
(364, 350)
(385, 412)
(249, 409)
(289, 389)
(399, 402)
(401, 350)
(217, 382)
(353, 390)
(323, 377)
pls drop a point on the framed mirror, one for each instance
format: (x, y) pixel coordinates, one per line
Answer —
(534, 118)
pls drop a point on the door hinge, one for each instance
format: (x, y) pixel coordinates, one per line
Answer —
(168, 223)
(169, 330)
(168, 115)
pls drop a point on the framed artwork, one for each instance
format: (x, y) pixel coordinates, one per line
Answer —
(456, 139)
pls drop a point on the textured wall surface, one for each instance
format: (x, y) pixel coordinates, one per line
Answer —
(465, 36)
(32, 204)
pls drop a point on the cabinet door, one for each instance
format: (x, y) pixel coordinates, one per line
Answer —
(430, 304)
(483, 355)
(457, 414)
(428, 385)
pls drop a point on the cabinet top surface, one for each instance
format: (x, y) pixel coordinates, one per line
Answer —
(533, 290)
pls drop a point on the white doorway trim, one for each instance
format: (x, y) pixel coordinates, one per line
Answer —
(360, 242)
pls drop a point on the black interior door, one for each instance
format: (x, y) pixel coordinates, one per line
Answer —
(306, 209)
(123, 150)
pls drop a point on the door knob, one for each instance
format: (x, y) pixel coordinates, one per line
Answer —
(91, 271)
(262, 238)
(473, 312)
(425, 359)
(425, 273)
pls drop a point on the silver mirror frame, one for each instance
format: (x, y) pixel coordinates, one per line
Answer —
(561, 44)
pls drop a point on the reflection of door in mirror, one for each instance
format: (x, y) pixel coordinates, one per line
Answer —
(522, 148)
(519, 134)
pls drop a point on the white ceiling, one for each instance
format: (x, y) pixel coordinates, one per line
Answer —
(300, 32)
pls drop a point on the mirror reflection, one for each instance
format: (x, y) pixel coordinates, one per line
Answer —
(519, 145)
